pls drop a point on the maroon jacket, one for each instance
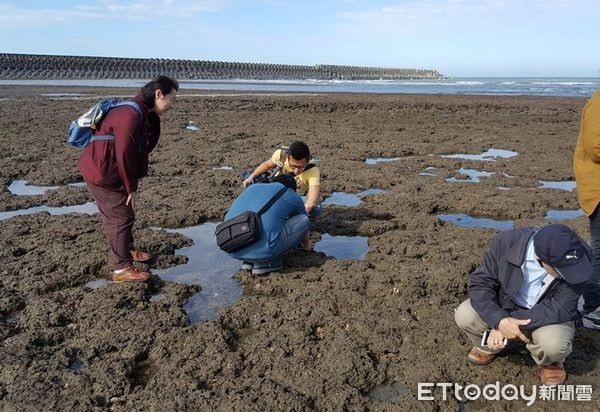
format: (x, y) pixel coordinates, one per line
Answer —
(121, 162)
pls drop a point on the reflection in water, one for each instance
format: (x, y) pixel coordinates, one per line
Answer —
(343, 247)
(474, 176)
(348, 199)
(209, 267)
(21, 188)
(192, 126)
(87, 208)
(97, 283)
(463, 220)
(568, 185)
(375, 160)
(428, 173)
(77, 366)
(554, 214)
(487, 156)
(158, 297)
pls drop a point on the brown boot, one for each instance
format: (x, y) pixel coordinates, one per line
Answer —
(553, 374)
(140, 256)
(131, 274)
(479, 357)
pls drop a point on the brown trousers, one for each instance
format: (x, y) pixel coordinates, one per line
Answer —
(117, 223)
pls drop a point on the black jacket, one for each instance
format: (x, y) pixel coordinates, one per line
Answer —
(499, 277)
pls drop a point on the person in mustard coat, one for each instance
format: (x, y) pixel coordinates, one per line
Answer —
(586, 166)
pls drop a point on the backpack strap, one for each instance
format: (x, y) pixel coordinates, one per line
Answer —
(281, 162)
(270, 203)
(123, 103)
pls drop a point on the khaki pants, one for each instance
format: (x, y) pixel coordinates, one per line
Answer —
(550, 343)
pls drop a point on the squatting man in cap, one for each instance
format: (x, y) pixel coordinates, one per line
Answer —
(526, 289)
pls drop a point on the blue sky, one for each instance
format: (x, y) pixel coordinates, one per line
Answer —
(455, 37)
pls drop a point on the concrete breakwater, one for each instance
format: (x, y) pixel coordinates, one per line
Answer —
(30, 66)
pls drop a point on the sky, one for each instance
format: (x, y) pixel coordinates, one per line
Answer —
(459, 38)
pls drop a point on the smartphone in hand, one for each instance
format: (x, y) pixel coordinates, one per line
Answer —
(486, 336)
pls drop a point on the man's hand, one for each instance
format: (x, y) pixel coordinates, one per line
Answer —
(496, 340)
(248, 181)
(131, 200)
(309, 206)
(510, 328)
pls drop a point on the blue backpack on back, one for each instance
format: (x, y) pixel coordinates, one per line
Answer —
(81, 131)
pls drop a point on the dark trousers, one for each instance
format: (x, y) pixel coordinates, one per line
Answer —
(117, 223)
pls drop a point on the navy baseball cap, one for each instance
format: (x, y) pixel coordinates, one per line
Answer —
(560, 247)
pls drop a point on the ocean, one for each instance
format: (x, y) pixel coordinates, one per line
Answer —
(542, 86)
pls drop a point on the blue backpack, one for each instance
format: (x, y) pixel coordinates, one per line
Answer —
(81, 131)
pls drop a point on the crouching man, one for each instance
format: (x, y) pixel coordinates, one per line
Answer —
(526, 289)
(284, 224)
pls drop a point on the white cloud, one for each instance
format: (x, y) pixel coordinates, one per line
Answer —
(422, 17)
(12, 16)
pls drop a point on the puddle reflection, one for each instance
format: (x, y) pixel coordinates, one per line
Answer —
(474, 176)
(568, 185)
(487, 156)
(428, 173)
(209, 267)
(349, 199)
(376, 160)
(21, 188)
(554, 214)
(97, 283)
(88, 208)
(158, 297)
(463, 220)
(343, 247)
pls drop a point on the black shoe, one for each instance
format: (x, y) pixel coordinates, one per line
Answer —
(263, 269)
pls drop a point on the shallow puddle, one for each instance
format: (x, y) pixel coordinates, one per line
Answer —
(474, 176)
(158, 297)
(554, 214)
(349, 199)
(209, 267)
(86, 208)
(487, 156)
(389, 392)
(427, 171)
(191, 126)
(343, 247)
(376, 160)
(568, 185)
(77, 366)
(463, 220)
(21, 188)
(97, 283)
(63, 94)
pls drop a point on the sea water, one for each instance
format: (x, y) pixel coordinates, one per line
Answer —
(539, 86)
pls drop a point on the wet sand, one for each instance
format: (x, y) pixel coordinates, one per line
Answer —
(323, 333)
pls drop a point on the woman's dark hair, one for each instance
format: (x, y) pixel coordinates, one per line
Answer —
(164, 83)
(299, 150)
